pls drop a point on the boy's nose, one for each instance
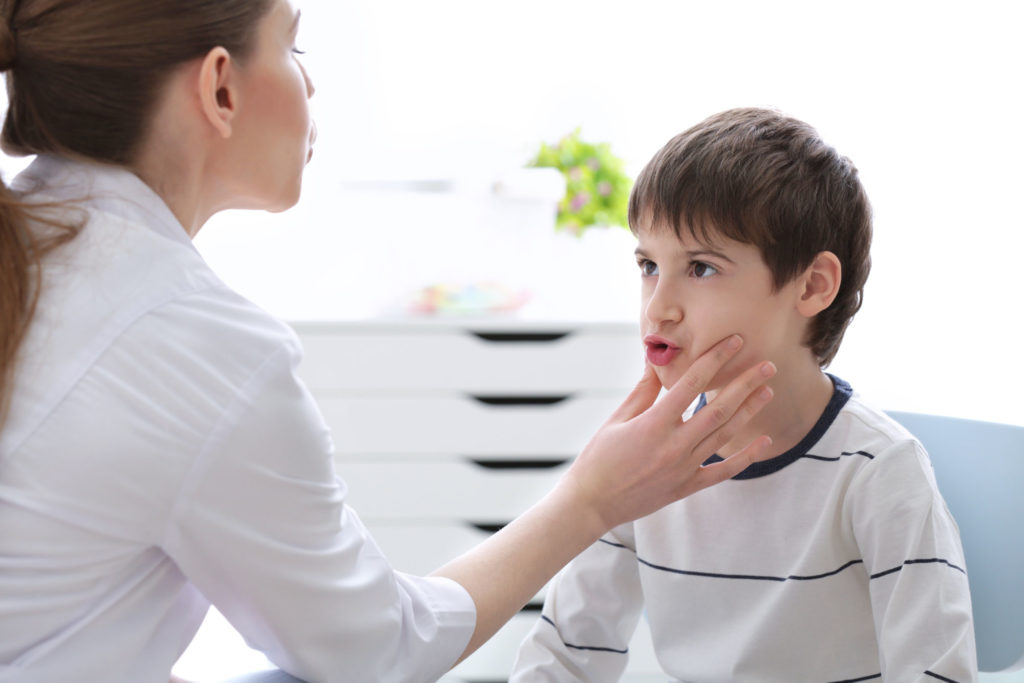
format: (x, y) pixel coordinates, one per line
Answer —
(663, 307)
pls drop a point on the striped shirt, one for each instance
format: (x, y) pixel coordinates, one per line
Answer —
(835, 561)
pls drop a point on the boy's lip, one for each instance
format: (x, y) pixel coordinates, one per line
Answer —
(660, 351)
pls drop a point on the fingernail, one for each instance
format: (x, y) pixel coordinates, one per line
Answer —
(734, 342)
(766, 393)
(768, 369)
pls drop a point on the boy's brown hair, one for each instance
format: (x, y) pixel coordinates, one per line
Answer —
(762, 178)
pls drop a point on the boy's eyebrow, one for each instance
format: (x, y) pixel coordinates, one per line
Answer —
(698, 253)
(693, 254)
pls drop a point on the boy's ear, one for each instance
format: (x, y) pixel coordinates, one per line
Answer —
(820, 284)
(218, 97)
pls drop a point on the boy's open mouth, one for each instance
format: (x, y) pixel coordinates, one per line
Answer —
(660, 351)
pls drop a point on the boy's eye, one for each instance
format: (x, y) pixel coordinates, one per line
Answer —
(702, 270)
(647, 267)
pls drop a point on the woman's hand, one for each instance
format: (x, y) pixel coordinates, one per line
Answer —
(645, 456)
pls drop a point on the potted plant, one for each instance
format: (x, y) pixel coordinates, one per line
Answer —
(597, 187)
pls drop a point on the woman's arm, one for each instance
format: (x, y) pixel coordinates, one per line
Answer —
(643, 458)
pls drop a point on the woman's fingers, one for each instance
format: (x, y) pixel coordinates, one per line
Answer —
(723, 418)
(697, 377)
(715, 473)
(720, 425)
(645, 456)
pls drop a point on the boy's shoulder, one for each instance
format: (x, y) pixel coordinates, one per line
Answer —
(869, 421)
(866, 430)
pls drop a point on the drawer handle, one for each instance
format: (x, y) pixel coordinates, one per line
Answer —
(497, 400)
(532, 607)
(488, 527)
(521, 464)
(517, 337)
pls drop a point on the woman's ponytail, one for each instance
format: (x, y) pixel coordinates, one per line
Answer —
(26, 236)
(18, 288)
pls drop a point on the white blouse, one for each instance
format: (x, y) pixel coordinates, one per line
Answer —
(160, 455)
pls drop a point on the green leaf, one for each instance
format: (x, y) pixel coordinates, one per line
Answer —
(597, 187)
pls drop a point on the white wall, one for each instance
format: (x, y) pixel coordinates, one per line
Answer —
(924, 97)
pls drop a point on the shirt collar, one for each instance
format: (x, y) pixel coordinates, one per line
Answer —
(102, 187)
(841, 393)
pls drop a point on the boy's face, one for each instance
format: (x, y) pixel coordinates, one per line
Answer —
(695, 294)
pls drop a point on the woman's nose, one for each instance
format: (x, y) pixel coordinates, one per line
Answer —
(310, 89)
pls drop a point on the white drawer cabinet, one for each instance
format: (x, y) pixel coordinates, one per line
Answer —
(452, 424)
(470, 357)
(447, 429)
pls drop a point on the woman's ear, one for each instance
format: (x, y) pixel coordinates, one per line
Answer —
(821, 283)
(218, 97)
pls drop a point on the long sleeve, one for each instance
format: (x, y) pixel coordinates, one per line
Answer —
(160, 454)
(590, 613)
(263, 531)
(918, 582)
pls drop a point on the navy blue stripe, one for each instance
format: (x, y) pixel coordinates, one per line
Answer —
(862, 678)
(930, 560)
(583, 647)
(616, 545)
(750, 577)
(791, 577)
(941, 678)
(836, 458)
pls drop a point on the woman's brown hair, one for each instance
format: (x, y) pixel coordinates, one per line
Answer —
(83, 80)
(762, 178)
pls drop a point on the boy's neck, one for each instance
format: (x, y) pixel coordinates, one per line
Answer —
(802, 391)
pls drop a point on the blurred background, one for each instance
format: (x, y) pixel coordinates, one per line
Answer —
(422, 107)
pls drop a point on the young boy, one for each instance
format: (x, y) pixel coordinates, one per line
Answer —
(834, 560)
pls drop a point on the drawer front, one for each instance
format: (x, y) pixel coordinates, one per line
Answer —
(463, 426)
(481, 362)
(456, 489)
(421, 548)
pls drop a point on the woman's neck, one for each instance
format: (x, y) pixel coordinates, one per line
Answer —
(175, 159)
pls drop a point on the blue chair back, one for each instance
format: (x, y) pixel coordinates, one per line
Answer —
(979, 467)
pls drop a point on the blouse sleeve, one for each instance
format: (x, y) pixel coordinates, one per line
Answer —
(262, 529)
(917, 576)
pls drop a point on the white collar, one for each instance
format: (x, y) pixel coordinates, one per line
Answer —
(104, 187)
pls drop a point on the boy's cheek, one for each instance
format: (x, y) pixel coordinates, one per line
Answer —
(669, 374)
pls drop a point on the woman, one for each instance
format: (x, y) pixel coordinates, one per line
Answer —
(158, 453)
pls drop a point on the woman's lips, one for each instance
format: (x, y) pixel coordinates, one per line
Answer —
(660, 351)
